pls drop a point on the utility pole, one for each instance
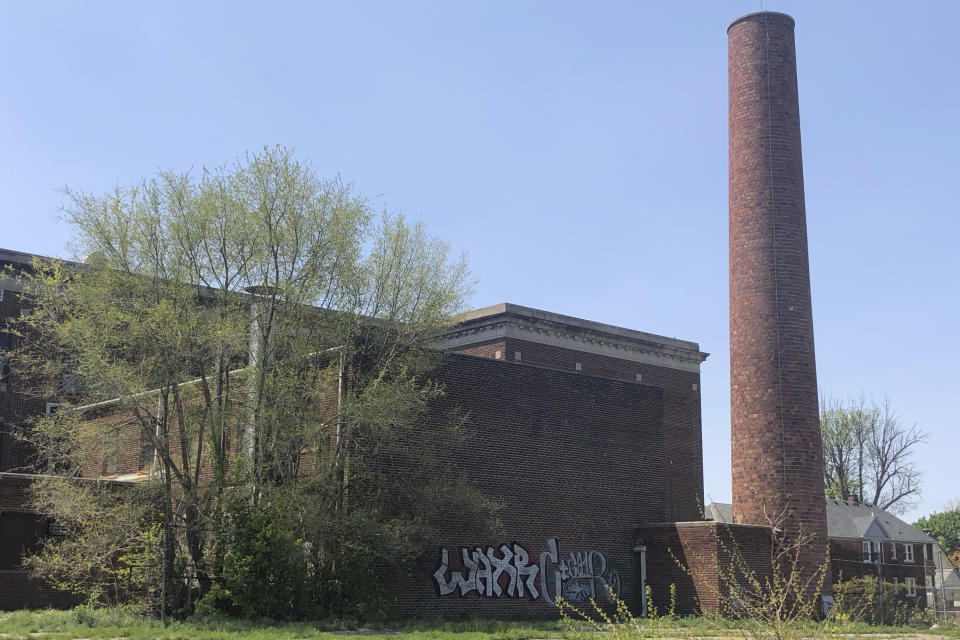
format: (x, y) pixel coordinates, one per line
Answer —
(943, 589)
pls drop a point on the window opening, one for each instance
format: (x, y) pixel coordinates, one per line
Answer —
(911, 584)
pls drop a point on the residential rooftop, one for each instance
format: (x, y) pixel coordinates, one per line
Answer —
(848, 519)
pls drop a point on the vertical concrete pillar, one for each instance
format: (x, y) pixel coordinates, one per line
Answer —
(777, 449)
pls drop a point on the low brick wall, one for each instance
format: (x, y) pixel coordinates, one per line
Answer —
(690, 555)
(19, 591)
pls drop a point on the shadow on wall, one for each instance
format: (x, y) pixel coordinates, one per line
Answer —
(689, 555)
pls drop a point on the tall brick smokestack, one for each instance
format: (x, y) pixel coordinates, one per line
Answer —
(777, 450)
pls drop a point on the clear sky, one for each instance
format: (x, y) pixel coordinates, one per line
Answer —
(577, 152)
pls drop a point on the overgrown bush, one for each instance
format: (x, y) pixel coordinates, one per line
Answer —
(288, 557)
(865, 599)
(104, 543)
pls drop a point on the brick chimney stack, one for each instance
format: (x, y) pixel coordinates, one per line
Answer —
(775, 424)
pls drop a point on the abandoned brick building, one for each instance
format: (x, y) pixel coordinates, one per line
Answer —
(582, 429)
(591, 433)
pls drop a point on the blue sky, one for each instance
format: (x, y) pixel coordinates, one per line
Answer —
(576, 152)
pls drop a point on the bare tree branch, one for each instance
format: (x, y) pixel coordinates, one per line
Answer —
(868, 452)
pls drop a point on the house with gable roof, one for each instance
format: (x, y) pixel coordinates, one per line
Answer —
(868, 541)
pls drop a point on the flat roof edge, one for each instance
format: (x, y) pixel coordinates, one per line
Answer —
(696, 523)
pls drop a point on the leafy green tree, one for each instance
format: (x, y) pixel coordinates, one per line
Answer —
(840, 451)
(266, 335)
(944, 526)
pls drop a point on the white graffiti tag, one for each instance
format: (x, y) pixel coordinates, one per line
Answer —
(485, 570)
(578, 577)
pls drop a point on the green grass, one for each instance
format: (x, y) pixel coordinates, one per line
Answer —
(102, 624)
(113, 623)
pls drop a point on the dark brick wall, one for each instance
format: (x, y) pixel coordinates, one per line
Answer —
(16, 407)
(14, 492)
(683, 445)
(571, 456)
(19, 591)
(777, 452)
(21, 534)
(22, 529)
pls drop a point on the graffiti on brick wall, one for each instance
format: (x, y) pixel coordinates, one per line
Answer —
(486, 571)
(578, 576)
(507, 571)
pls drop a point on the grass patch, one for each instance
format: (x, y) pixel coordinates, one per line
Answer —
(106, 623)
(116, 623)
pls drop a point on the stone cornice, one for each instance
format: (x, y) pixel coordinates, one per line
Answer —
(543, 327)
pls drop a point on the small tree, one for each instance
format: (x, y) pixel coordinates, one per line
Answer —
(944, 526)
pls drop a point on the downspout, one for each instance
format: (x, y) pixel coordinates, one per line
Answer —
(642, 550)
(882, 587)
(340, 395)
(340, 449)
(943, 590)
(259, 356)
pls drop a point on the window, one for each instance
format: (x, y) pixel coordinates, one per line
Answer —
(871, 551)
(911, 584)
(908, 553)
(893, 551)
